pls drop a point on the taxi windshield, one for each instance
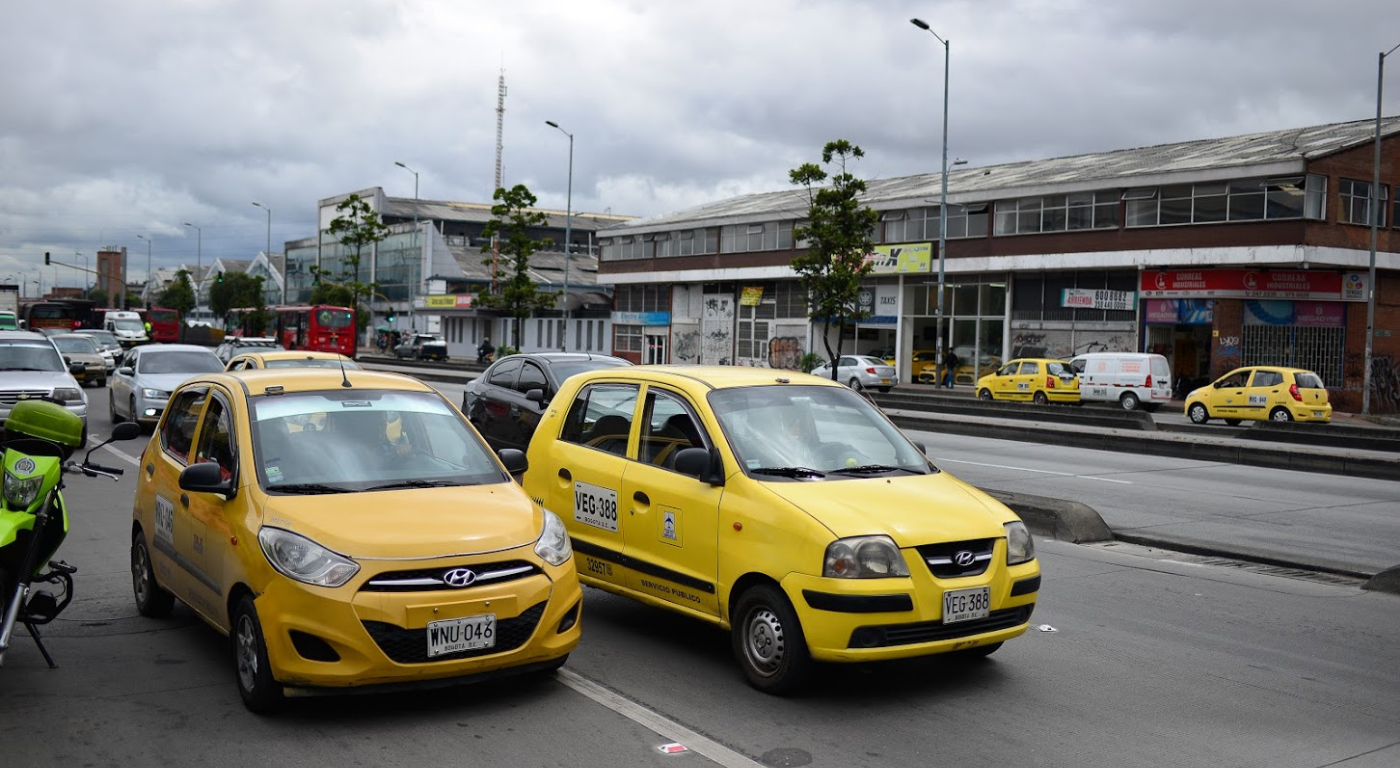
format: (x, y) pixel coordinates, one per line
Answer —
(810, 431)
(365, 440)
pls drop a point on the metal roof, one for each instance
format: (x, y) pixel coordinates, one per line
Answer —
(440, 210)
(1268, 153)
(545, 266)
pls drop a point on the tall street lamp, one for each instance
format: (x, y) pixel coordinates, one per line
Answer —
(199, 260)
(1376, 202)
(419, 256)
(148, 264)
(943, 194)
(568, 235)
(268, 249)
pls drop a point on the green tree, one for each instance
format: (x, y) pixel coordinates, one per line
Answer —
(98, 295)
(520, 296)
(179, 294)
(234, 290)
(356, 226)
(838, 241)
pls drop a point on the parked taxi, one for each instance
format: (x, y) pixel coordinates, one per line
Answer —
(255, 359)
(784, 508)
(1260, 393)
(347, 530)
(1041, 380)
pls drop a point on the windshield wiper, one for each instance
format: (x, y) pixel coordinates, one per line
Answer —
(413, 484)
(788, 471)
(873, 469)
(309, 488)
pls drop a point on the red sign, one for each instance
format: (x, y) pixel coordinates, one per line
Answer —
(1243, 284)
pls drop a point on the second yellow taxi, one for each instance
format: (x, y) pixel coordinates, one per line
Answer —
(1261, 393)
(1040, 380)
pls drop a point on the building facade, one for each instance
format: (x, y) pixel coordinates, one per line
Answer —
(1216, 253)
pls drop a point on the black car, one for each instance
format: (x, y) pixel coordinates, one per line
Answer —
(502, 402)
(422, 346)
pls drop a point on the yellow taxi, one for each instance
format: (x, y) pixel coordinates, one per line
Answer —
(785, 509)
(924, 367)
(1261, 393)
(1041, 380)
(257, 359)
(349, 555)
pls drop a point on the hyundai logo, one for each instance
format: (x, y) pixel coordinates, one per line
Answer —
(964, 557)
(459, 577)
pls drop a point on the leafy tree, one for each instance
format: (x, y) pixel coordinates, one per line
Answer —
(838, 240)
(98, 295)
(356, 226)
(519, 295)
(179, 294)
(233, 290)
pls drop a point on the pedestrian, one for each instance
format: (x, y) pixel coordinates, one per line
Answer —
(950, 362)
(484, 350)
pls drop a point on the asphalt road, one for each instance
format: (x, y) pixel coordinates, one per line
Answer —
(1153, 660)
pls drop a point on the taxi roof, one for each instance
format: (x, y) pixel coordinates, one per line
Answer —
(257, 382)
(709, 376)
(289, 354)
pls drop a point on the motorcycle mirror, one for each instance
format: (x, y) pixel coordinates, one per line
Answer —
(127, 430)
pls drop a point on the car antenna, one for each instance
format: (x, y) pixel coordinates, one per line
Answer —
(344, 380)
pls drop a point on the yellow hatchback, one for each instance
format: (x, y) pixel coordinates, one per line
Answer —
(1261, 393)
(783, 508)
(1039, 380)
(255, 359)
(347, 530)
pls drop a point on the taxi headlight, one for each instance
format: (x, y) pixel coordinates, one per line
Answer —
(863, 557)
(1019, 546)
(20, 492)
(303, 560)
(554, 546)
(67, 394)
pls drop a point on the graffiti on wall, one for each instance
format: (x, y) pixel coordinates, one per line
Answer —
(717, 330)
(686, 345)
(1385, 383)
(785, 352)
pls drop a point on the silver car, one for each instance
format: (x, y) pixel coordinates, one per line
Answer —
(860, 372)
(148, 374)
(30, 367)
(106, 343)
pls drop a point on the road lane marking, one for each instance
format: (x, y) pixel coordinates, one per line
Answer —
(133, 460)
(656, 722)
(1037, 471)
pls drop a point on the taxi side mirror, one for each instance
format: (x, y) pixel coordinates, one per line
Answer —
(206, 477)
(514, 460)
(703, 464)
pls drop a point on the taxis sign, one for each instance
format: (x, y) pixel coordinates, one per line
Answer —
(909, 258)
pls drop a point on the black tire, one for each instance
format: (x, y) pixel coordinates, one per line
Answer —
(131, 406)
(1232, 422)
(768, 641)
(1130, 401)
(102, 382)
(151, 600)
(112, 414)
(1198, 413)
(251, 671)
(985, 394)
(855, 384)
(883, 390)
(1280, 415)
(1040, 398)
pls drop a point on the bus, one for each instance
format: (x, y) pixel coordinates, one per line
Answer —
(165, 324)
(320, 327)
(68, 314)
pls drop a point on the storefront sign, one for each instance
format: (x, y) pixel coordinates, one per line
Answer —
(1178, 312)
(1089, 298)
(449, 301)
(1354, 286)
(750, 296)
(1305, 314)
(1251, 284)
(641, 318)
(910, 258)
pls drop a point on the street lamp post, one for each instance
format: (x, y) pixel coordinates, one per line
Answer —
(415, 221)
(1376, 202)
(943, 194)
(268, 249)
(198, 260)
(148, 265)
(568, 235)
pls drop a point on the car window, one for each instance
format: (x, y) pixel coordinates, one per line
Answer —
(601, 417)
(1058, 369)
(668, 427)
(504, 374)
(563, 369)
(216, 443)
(1235, 379)
(181, 417)
(75, 345)
(1308, 380)
(308, 362)
(1077, 365)
(1030, 367)
(36, 355)
(846, 362)
(1008, 370)
(1267, 379)
(531, 377)
(178, 361)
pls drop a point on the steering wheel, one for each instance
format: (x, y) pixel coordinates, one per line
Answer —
(838, 455)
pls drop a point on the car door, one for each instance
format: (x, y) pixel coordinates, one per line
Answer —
(1265, 389)
(1227, 394)
(175, 557)
(122, 385)
(590, 453)
(846, 369)
(490, 408)
(1004, 383)
(1024, 383)
(672, 520)
(525, 413)
(215, 442)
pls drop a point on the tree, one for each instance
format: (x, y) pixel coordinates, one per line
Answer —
(356, 226)
(519, 295)
(234, 290)
(838, 241)
(97, 295)
(179, 294)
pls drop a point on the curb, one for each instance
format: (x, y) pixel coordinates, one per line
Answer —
(1066, 520)
(1385, 581)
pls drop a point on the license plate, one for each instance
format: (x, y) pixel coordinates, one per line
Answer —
(966, 604)
(1317, 414)
(468, 634)
(884, 381)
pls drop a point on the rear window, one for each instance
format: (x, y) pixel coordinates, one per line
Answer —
(1308, 380)
(1059, 369)
(872, 361)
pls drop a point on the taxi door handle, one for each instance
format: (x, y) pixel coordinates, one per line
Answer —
(150, 470)
(184, 499)
(565, 474)
(641, 498)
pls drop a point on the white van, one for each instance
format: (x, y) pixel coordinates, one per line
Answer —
(1131, 379)
(128, 327)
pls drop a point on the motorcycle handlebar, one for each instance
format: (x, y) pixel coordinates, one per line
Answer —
(100, 468)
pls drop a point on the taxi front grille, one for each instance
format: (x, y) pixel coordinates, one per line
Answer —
(932, 631)
(431, 579)
(950, 560)
(410, 646)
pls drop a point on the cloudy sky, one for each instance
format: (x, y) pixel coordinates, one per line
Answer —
(126, 117)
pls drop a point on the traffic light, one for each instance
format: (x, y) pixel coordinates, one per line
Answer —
(46, 258)
(390, 316)
(220, 278)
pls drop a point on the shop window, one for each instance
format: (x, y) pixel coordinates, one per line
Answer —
(627, 338)
(1354, 197)
(1315, 197)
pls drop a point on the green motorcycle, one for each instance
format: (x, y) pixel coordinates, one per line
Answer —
(40, 437)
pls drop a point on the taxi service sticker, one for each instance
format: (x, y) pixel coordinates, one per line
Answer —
(165, 520)
(274, 474)
(595, 506)
(670, 522)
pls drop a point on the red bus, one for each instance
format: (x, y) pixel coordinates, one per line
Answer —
(165, 324)
(321, 328)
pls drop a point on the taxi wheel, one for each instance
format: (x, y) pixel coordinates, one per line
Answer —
(1129, 401)
(1280, 414)
(1232, 422)
(768, 641)
(151, 600)
(260, 692)
(985, 394)
(1040, 398)
(1198, 413)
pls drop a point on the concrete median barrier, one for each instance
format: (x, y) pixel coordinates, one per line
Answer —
(1062, 519)
(1385, 581)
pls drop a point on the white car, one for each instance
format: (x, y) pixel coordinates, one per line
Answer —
(860, 372)
(1132, 379)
